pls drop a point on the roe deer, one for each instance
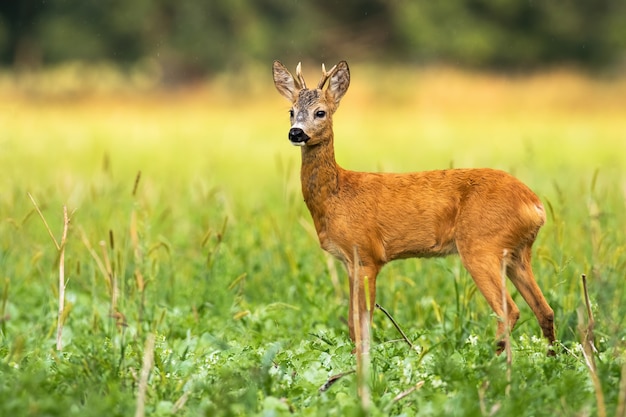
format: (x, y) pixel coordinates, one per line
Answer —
(486, 216)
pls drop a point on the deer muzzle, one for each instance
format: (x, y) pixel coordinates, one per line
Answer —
(298, 137)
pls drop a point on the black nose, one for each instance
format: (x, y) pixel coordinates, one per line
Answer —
(297, 135)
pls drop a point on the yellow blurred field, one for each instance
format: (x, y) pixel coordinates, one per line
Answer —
(232, 133)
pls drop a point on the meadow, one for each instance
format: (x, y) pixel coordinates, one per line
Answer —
(194, 282)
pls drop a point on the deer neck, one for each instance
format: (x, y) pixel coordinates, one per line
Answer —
(320, 179)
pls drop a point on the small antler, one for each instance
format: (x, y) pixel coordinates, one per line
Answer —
(325, 76)
(299, 75)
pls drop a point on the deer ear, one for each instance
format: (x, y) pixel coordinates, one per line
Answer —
(339, 82)
(284, 81)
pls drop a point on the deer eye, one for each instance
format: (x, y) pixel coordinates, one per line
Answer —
(291, 113)
(320, 114)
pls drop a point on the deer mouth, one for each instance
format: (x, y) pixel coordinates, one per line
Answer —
(297, 137)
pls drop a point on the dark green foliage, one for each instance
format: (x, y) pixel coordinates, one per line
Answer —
(189, 39)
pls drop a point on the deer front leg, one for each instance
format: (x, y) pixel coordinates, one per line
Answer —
(362, 297)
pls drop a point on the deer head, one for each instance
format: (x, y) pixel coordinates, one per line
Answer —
(312, 109)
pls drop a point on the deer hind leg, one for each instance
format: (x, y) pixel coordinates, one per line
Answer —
(363, 304)
(486, 270)
(521, 274)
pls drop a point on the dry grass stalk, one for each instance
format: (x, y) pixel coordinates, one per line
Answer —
(507, 330)
(94, 255)
(106, 268)
(136, 185)
(138, 257)
(589, 350)
(134, 239)
(590, 362)
(4, 317)
(61, 251)
(44, 222)
(355, 306)
(362, 337)
(111, 275)
(180, 403)
(482, 404)
(60, 320)
(365, 362)
(589, 331)
(148, 359)
(621, 400)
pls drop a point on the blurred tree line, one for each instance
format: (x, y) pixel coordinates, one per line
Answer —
(193, 38)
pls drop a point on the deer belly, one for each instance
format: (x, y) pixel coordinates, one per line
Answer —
(418, 246)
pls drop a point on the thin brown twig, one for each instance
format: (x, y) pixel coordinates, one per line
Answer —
(407, 392)
(396, 325)
(334, 378)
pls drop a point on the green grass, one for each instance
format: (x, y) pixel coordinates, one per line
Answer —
(213, 254)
